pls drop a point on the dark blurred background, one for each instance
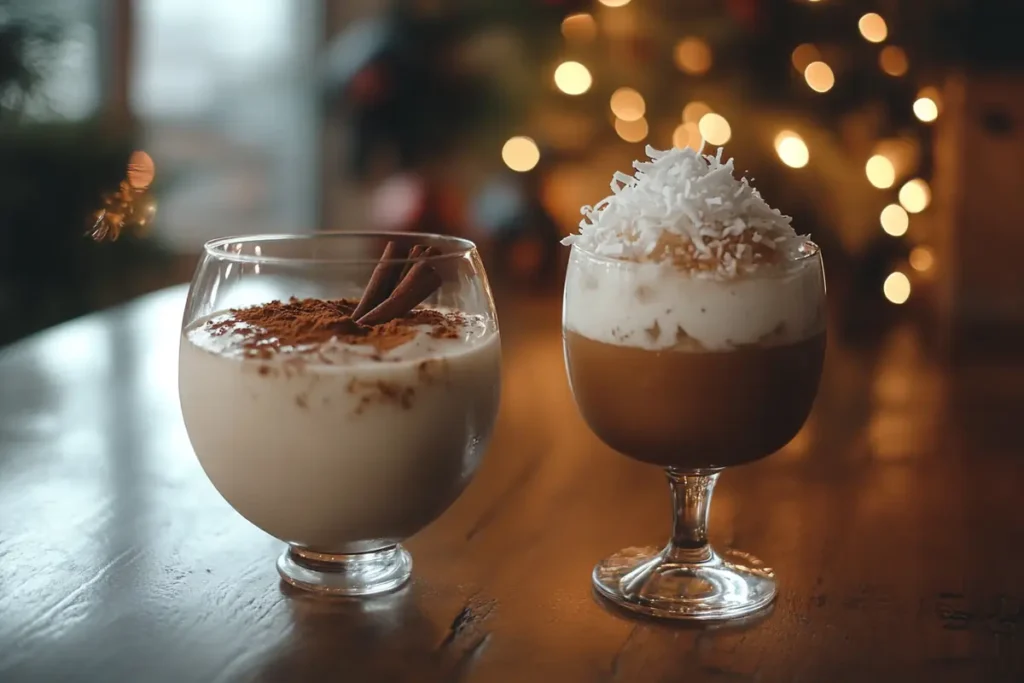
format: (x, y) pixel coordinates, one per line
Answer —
(891, 130)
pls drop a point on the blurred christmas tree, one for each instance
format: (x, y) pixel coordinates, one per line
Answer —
(829, 104)
(52, 175)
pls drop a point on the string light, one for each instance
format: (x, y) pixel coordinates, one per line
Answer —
(872, 27)
(819, 76)
(893, 60)
(926, 109)
(915, 195)
(880, 172)
(573, 78)
(693, 56)
(695, 111)
(631, 131)
(895, 220)
(614, 3)
(792, 149)
(627, 104)
(897, 288)
(921, 259)
(926, 106)
(579, 28)
(803, 55)
(686, 135)
(520, 153)
(715, 129)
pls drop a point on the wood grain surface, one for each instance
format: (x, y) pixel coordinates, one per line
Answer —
(893, 521)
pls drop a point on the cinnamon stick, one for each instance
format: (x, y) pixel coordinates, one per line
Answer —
(420, 282)
(415, 253)
(382, 282)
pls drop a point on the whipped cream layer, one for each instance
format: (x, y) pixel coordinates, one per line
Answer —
(689, 209)
(656, 306)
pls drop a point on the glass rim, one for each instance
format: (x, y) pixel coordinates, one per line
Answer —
(218, 247)
(812, 250)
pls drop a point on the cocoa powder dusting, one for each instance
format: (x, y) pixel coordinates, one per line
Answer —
(266, 328)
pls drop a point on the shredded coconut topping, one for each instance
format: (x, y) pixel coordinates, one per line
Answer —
(688, 209)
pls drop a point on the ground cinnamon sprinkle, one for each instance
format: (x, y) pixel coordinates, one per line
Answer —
(268, 327)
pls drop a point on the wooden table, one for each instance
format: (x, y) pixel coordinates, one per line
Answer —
(893, 520)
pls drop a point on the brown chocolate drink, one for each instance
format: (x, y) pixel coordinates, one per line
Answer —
(694, 409)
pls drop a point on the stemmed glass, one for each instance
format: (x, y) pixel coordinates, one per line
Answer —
(340, 459)
(692, 375)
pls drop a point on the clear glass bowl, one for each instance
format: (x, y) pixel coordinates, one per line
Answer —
(341, 461)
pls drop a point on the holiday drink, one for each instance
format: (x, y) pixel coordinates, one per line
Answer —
(694, 331)
(344, 426)
(376, 435)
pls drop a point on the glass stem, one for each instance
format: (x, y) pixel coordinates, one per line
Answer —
(691, 506)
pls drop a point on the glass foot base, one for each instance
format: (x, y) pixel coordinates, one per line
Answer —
(368, 573)
(722, 585)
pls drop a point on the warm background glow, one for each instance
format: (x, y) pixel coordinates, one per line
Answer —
(873, 28)
(631, 131)
(893, 60)
(915, 195)
(579, 28)
(897, 288)
(880, 172)
(819, 76)
(695, 111)
(792, 149)
(627, 104)
(895, 220)
(922, 259)
(686, 135)
(803, 55)
(572, 78)
(693, 56)
(520, 153)
(715, 129)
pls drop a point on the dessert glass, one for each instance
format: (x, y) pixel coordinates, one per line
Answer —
(655, 393)
(299, 448)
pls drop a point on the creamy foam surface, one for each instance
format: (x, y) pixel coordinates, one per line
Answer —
(423, 343)
(684, 255)
(657, 306)
(341, 447)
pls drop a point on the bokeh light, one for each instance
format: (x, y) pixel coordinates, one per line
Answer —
(893, 60)
(520, 153)
(915, 195)
(627, 104)
(573, 78)
(141, 170)
(614, 3)
(925, 109)
(579, 28)
(632, 131)
(803, 55)
(686, 135)
(897, 288)
(715, 129)
(792, 149)
(873, 28)
(895, 220)
(695, 111)
(693, 56)
(921, 259)
(880, 172)
(819, 76)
